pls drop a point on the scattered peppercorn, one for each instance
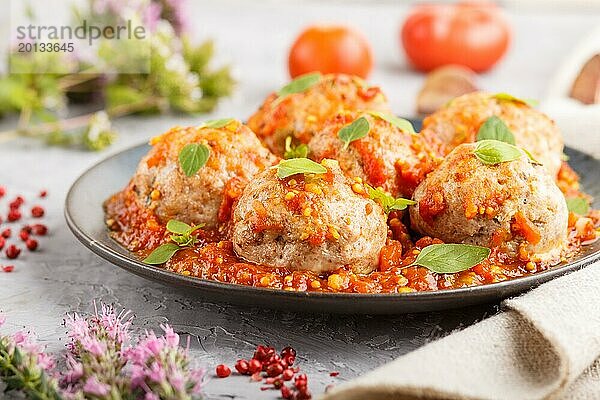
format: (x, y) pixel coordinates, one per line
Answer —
(2, 242)
(6, 233)
(31, 244)
(26, 228)
(8, 268)
(43, 193)
(39, 229)
(242, 367)
(2, 191)
(13, 215)
(12, 251)
(24, 235)
(223, 371)
(37, 212)
(334, 373)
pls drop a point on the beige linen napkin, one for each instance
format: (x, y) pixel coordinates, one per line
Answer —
(545, 345)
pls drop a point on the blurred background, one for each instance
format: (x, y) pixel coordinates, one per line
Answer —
(531, 49)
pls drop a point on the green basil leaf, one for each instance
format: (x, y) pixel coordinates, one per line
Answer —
(451, 258)
(510, 97)
(531, 157)
(217, 123)
(300, 84)
(354, 131)
(193, 157)
(400, 123)
(578, 205)
(161, 254)
(495, 152)
(195, 228)
(295, 166)
(387, 202)
(291, 151)
(495, 129)
(179, 227)
(565, 157)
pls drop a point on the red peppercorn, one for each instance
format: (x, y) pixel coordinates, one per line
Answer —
(24, 235)
(37, 212)
(334, 373)
(13, 215)
(26, 228)
(290, 359)
(242, 367)
(31, 244)
(287, 374)
(39, 229)
(274, 370)
(6, 233)
(288, 351)
(2, 191)
(254, 366)
(43, 193)
(2, 242)
(13, 251)
(304, 395)
(17, 202)
(8, 268)
(223, 371)
(286, 393)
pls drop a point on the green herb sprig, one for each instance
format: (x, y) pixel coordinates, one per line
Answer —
(359, 128)
(182, 237)
(495, 129)
(192, 157)
(294, 166)
(451, 258)
(494, 152)
(578, 205)
(291, 151)
(387, 201)
(510, 97)
(298, 85)
(400, 123)
(216, 123)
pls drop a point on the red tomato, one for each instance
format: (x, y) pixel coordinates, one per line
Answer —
(473, 34)
(330, 49)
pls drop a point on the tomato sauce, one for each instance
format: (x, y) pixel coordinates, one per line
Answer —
(213, 258)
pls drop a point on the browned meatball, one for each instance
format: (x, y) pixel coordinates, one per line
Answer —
(514, 205)
(459, 121)
(236, 155)
(387, 157)
(312, 222)
(300, 115)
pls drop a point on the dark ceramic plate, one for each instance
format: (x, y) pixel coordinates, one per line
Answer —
(85, 217)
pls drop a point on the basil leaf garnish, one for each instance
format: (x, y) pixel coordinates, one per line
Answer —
(181, 238)
(388, 202)
(162, 254)
(495, 129)
(354, 131)
(531, 157)
(193, 157)
(578, 205)
(178, 227)
(495, 152)
(510, 97)
(300, 84)
(291, 151)
(400, 123)
(451, 258)
(216, 123)
(295, 166)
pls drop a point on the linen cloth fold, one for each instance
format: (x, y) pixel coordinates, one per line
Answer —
(545, 345)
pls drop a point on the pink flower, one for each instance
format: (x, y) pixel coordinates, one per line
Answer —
(2, 319)
(171, 337)
(151, 396)
(156, 372)
(94, 387)
(93, 346)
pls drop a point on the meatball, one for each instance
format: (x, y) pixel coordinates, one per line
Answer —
(459, 121)
(387, 157)
(308, 222)
(515, 206)
(300, 115)
(235, 156)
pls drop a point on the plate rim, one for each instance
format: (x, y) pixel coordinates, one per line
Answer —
(135, 266)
